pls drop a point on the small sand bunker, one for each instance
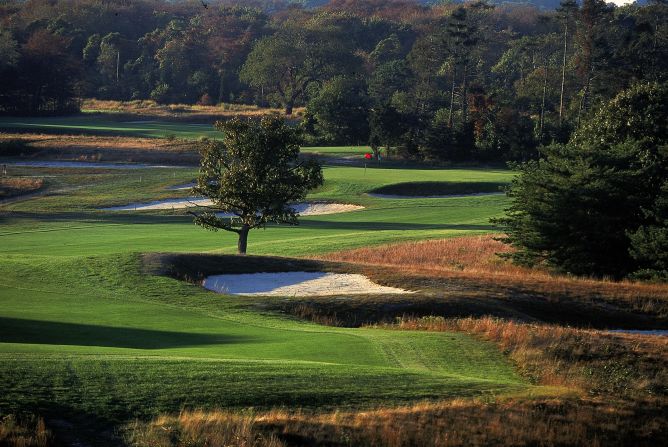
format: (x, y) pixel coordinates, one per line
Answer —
(166, 204)
(303, 209)
(447, 196)
(296, 284)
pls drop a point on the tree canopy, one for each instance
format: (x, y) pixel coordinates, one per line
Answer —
(597, 205)
(253, 174)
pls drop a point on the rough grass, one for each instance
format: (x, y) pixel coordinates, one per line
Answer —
(17, 186)
(474, 259)
(540, 422)
(148, 109)
(27, 431)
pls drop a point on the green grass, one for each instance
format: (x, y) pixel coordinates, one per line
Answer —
(84, 330)
(105, 125)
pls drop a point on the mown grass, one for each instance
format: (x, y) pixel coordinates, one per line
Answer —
(66, 224)
(92, 328)
(101, 124)
(95, 336)
(617, 397)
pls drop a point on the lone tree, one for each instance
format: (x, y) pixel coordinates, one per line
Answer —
(253, 175)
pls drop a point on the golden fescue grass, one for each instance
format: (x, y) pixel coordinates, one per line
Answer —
(475, 259)
(103, 148)
(540, 422)
(46, 141)
(16, 186)
(199, 428)
(30, 432)
(152, 108)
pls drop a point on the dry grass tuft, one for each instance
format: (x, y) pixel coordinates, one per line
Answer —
(199, 428)
(16, 186)
(28, 432)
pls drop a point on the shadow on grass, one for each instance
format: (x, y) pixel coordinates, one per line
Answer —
(18, 330)
(151, 219)
(330, 225)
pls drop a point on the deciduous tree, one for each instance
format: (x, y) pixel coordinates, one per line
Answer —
(254, 174)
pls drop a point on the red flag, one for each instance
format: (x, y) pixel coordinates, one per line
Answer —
(367, 156)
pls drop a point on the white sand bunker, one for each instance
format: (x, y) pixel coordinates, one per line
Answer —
(303, 209)
(296, 284)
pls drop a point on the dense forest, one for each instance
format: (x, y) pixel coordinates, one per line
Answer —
(440, 81)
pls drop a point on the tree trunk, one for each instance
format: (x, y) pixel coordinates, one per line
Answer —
(465, 100)
(243, 239)
(452, 97)
(563, 75)
(288, 107)
(542, 103)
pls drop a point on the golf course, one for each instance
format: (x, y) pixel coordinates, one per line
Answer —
(87, 329)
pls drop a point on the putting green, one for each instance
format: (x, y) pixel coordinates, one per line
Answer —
(84, 330)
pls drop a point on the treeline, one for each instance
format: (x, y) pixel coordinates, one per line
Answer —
(440, 82)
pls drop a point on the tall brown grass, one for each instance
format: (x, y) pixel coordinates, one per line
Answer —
(475, 259)
(537, 422)
(199, 428)
(25, 432)
(152, 108)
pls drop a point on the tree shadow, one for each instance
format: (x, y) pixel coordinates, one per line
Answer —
(324, 224)
(18, 330)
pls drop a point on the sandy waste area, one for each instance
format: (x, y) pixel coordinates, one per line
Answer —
(296, 284)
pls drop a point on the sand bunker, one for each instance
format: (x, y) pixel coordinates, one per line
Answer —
(446, 196)
(303, 209)
(296, 284)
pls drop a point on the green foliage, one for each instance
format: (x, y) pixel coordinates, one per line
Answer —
(254, 173)
(597, 205)
(340, 109)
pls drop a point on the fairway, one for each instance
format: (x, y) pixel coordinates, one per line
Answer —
(84, 328)
(104, 125)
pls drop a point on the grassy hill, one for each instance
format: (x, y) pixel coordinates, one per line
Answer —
(86, 329)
